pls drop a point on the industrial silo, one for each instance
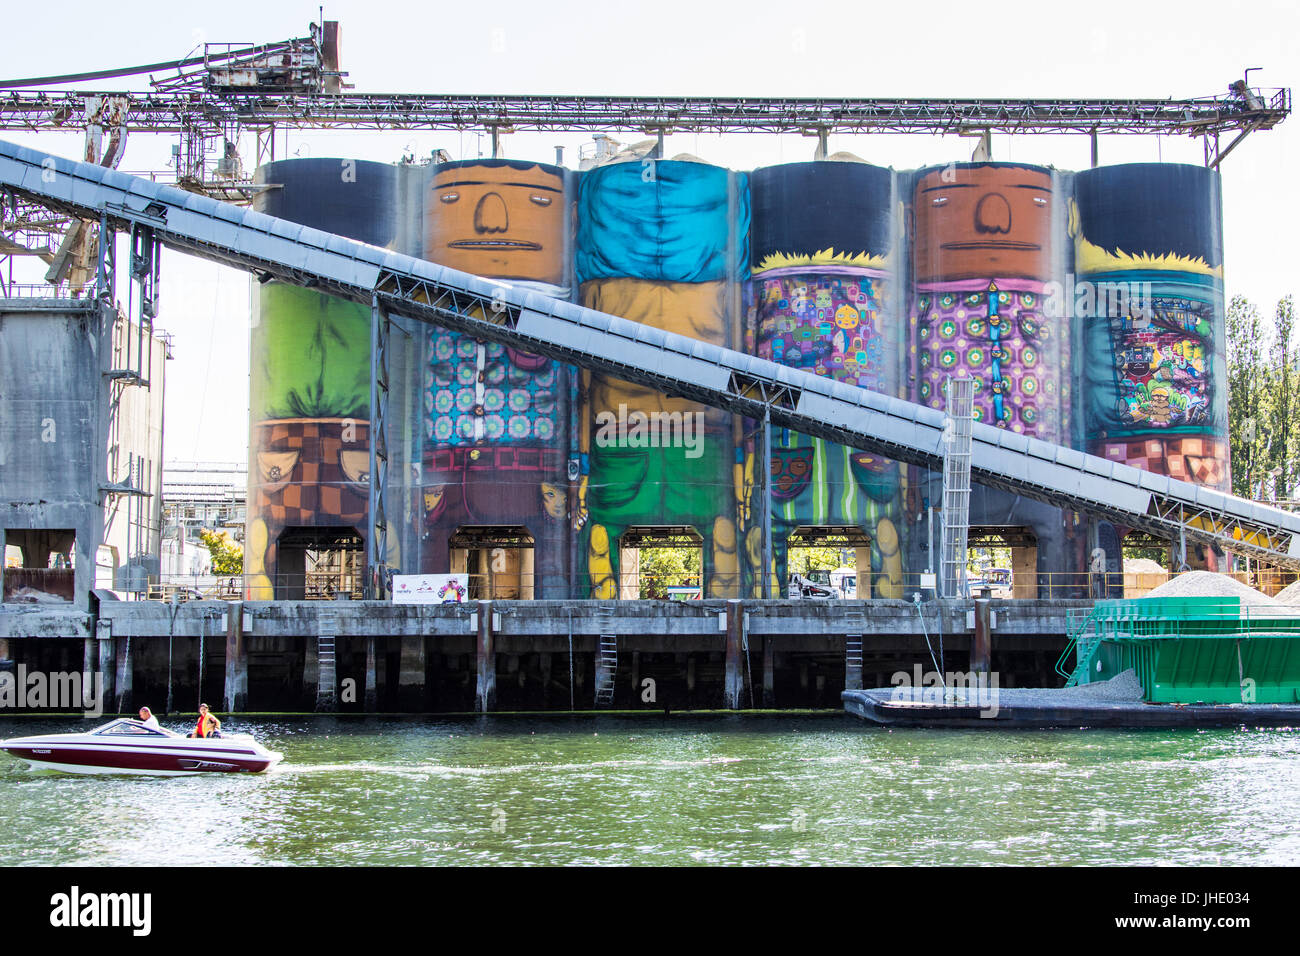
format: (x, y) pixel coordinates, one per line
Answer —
(662, 242)
(824, 299)
(987, 263)
(309, 402)
(1149, 297)
(498, 435)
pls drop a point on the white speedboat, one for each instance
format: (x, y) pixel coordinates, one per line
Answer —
(128, 746)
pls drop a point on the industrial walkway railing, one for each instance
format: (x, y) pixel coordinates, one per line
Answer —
(743, 384)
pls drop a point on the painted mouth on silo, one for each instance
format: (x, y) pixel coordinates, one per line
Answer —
(494, 244)
(992, 244)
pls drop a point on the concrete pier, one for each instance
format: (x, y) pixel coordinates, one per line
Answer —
(769, 671)
(372, 677)
(235, 697)
(445, 658)
(981, 645)
(485, 688)
(125, 677)
(410, 673)
(733, 689)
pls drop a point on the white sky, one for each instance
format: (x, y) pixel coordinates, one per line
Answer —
(809, 48)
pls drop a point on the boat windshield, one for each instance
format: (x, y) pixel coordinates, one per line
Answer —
(130, 728)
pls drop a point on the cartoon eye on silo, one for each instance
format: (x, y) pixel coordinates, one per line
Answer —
(356, 466)
(449, 197)
(939, 200)
(540, 200)
(1040, 201)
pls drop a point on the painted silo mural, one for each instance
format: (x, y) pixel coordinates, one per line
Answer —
(309, 403)
(1088, 309)
(987, 254)
(661, 242)
(1150, 242)
(981, 258)
(1149, 260)
(498, 434)
(823, 297)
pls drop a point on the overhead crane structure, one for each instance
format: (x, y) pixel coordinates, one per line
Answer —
(392, 284)
(212, 101)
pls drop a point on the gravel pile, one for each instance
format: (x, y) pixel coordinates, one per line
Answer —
(1121, 689)
(1210, 584)
(1143, 566)
(1289, 594)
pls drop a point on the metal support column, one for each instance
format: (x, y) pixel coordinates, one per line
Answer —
(106, 274)
(377, 538)
(146, 261)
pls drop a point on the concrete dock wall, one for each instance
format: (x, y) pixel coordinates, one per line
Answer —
(523, 655)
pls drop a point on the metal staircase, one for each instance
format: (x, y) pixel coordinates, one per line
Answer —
(1081, 631)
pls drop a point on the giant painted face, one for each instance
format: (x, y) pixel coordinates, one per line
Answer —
(791, 471)
(977, 221)
(311, 472)
(497, 220)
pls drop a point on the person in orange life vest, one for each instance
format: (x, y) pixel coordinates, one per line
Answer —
(148, 719)
(208, 725)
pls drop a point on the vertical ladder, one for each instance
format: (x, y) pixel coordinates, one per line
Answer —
(956, 484)
(855, 626)
(606, 656)
(326, 681)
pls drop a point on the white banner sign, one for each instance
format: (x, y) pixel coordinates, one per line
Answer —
(430, 588)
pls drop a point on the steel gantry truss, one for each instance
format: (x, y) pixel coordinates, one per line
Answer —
(156, 112)
(213, 100)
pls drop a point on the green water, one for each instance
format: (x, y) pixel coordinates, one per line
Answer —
(716, 790)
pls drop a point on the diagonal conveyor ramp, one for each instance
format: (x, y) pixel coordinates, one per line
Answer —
(494, 311)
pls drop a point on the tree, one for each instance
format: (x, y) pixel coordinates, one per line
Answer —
(1263, 407)
(803, 560)
(1247, 375)
(665, 567)
(227, 557)
(1284, 401)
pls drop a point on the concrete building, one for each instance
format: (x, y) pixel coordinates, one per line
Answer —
(81, 416)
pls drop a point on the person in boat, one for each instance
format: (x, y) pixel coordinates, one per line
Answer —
(148, 719)
(208, 725)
